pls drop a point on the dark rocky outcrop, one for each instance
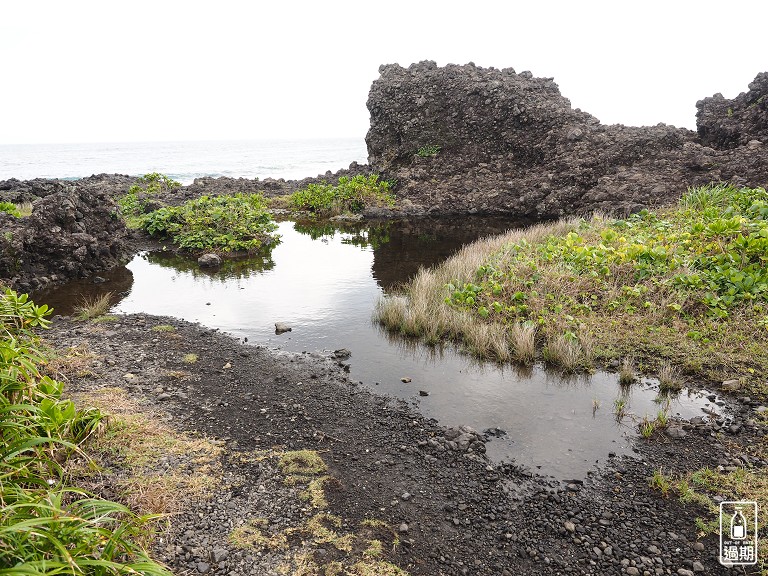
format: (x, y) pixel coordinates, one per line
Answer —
(73, 232)
(19, 191)
(511, 143)
(724, 123)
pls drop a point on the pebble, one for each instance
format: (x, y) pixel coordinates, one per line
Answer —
(570, 526)
(203, 568)
(405, 379)
(684, 572)
(403, 527)
(697, 566)
(164, 396)
(731, 385)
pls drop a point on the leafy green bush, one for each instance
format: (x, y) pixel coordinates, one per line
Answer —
(224, 223)
(47, 527)
(428, 150)
(133, 205)
(10, 208)
(350, 195)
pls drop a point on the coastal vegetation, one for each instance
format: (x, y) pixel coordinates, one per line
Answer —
(685, 286)
(236, 223)
(227, 223)
(48, 525)
(350, 195)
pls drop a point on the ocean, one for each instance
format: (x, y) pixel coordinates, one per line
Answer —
(183, 161)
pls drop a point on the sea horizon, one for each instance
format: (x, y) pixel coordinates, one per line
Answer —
(183, 160)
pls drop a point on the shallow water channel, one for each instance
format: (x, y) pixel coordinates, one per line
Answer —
(324, 282)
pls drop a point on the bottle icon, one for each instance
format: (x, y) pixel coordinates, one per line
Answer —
(738, 525)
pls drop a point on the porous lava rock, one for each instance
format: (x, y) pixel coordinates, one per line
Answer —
(511, 143)
(73, 232)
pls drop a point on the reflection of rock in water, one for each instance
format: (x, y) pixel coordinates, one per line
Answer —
(63, 299)
(228, 269)
(426, 242)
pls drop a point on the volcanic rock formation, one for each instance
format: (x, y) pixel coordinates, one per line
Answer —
(511, 143)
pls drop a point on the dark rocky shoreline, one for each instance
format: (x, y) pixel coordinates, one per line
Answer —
(456, 512)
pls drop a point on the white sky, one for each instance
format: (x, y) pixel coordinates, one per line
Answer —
(83, 71)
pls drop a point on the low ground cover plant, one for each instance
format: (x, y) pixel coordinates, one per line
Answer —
(686, 285)
(236, 223)
(46, 525)
(10, 208)
(350, 195)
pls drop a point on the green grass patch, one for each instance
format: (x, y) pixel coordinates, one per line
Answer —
(685, 286)
(163, 328)
(350, 195)
(428, 150)
(237, 223)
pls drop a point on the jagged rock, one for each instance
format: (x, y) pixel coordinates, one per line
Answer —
(743, 121)
(19, 191)
(73, 232)
(511, 143)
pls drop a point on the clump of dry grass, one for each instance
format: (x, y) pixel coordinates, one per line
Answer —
(252, 536)
(627, 372)
(138, 442)
(91, 307)
(669, 379)
(523, 342)
(73, 362)
(564, 352)
(301, 462)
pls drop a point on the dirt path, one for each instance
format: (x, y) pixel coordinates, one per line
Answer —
(386, 473)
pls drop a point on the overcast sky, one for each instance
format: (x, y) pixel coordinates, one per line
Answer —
(81, 71)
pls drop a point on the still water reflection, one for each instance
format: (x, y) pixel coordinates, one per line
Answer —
(325, 283)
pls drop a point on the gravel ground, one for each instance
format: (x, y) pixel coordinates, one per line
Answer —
(427, 493)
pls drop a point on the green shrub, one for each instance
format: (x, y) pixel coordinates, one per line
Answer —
(133, 205)
(221, 223)
(350, 195)
(47, 527)
(10, 208)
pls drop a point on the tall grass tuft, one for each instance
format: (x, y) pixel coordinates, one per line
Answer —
(93, 306)
(523, 341)
(564, 352)
(669, 379)
(627, 372)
